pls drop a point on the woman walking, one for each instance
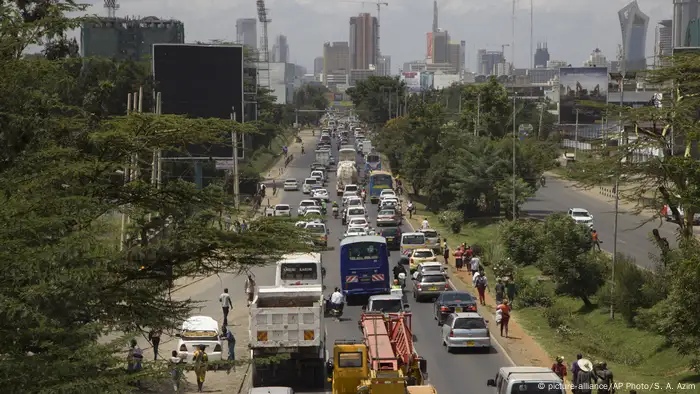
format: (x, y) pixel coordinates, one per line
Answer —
(504, 309)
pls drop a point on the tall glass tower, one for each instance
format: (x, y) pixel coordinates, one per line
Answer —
(634, 24)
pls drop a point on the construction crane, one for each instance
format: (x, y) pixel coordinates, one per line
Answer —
(379, 5)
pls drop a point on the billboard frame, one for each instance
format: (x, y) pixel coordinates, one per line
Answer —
(239, 113)
(570, 114)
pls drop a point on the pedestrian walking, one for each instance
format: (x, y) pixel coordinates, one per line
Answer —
(605, 380)
(274, 188)
(504, 309)
(201, 364)
(594, 238)
(482, 285)
(585, 377)
(231, 341)
(511, 290)
(446, 251)
(500, 290)
(226, 304)
(425, 225)
(154, 338)
(249, 288)
(134, 360)
(559, 368)
(475, 264)
(176, 370)
(574, 372)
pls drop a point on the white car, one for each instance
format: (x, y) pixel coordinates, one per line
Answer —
(300, 224)
(318, 175)
(310, 183)
(291, 185)
(312, 212)
(356, 212)
(355, 232)
(352, 188)
(354, 202)
(304, 205)
(347, 195)
(581, 216)
(320, 193)
(387, 192)
(283, 210)
(358, 222)
(199, 331)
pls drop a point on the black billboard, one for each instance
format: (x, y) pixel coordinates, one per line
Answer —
(201, 81)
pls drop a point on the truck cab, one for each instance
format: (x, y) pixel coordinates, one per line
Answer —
(514, 380)
(348, 367)
(300, 269)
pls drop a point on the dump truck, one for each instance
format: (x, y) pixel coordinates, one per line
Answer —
(345, 175)
(384, 362)
(287, 337)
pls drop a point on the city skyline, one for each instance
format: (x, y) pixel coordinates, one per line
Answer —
(486, 26)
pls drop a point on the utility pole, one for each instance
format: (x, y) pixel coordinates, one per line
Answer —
(514, 137)
(576, 137)
(512, 45)
(234, 139)
(532, 29)
(539, 127)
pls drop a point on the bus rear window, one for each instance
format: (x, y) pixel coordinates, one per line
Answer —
(297, 271)
(413, 239)
(363, 251)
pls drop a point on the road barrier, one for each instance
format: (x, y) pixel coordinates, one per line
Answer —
(607, 191)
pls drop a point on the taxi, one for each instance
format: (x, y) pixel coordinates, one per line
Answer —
(199, 331)
(419, 256)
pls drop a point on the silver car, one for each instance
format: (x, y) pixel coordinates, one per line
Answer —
(429, 285)
(466, 330)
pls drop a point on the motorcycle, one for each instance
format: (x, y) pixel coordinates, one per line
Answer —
(364, 196)
(323, 210)
(329, 311)
(335, 212)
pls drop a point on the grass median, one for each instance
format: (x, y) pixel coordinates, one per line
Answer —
(635, 356)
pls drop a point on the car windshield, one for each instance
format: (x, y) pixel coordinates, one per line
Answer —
(199, 335)
(580, 214)
(282, 207)
(354, 201)
(290, 181)
(387, 306)
(387, 212)
(430, 233)
(352, 188)
(470, 324)
(432, 279)
(355, 230)
(432, 268)
(390, 231)
(358, 221)
(317, 173)
(422, 254)
(356, 211)
(310, 181)
(536, 388)
(316, 229)
(308, 203)
(414, 239)
(456, 297)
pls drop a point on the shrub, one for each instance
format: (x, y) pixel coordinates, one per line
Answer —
(522, 240)
(452, 220)
(492, 253)
(556, 315)
(504, 268)
(533, 294)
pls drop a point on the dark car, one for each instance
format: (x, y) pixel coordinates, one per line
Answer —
(453, 302)
(392, 236)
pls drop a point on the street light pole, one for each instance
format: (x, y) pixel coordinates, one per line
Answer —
(514, 132)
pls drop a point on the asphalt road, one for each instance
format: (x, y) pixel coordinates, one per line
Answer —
(449, 373)
(633, 233)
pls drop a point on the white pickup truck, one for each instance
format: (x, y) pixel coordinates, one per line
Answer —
(288, 337)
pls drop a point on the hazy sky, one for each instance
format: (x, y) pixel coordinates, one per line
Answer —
(572, 28)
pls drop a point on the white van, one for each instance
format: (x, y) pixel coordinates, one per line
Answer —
(309, 183)
(410, 241)
(300, 269)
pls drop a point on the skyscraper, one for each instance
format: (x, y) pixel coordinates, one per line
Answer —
(454, 50)
(336, 63)
(384, 65)
(441, 46)
(664, 42)
(247, 32)
(280, 50)
(318, 65)
(541, 55)
(684, 11)
(487, 61)
(634, 24)
(363, 41)
(435, 16)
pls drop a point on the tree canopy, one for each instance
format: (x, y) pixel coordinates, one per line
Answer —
(69, 281)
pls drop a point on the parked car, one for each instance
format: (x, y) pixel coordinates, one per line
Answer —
(466, 330)
(453, 302)
(199, 331)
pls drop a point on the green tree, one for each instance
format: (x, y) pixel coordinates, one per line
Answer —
(372, 96)
(569, 260)
(522, 240)
(506, 188)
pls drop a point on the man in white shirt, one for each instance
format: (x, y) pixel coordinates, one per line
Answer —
(425, 224)
(337, 299)
(474, 264)
(226, 304)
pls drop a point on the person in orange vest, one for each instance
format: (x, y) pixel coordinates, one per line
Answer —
(595, 240)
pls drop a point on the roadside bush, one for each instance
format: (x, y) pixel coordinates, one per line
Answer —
(533, 294)
(492, 253)
(651, 319)
(452, 220)
(522, 240)
(556, 315)
(504, 268)
(635, 289)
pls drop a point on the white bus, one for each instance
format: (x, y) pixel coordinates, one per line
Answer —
(300, 269)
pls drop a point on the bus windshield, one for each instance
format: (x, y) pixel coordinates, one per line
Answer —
(372, 158)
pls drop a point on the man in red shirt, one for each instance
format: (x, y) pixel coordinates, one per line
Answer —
(559, 368)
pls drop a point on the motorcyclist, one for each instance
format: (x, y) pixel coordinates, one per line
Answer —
(335, 209)
(337, 299)
(323, 207)
(363, 194)
(402, 279)
(302, 149)
(410, 209)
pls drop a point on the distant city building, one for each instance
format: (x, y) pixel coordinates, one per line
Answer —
(280, 50)
(360, 75)
(364, 41)
(664, 43)
(487, 61)
(504, 68)
(462, 56)
(414, 66)
(318, 65)
(247, 32)
(542, 75)
(541, 55)
(282, 77)
(441, 43)
(692, 34)
(336, 63)
(556, 64)
(597, 59)
(126, 38)
(454, 50)
(384, 65)
(684, 11)
(634, 24)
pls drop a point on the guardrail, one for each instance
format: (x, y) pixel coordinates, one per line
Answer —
(607, 191)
